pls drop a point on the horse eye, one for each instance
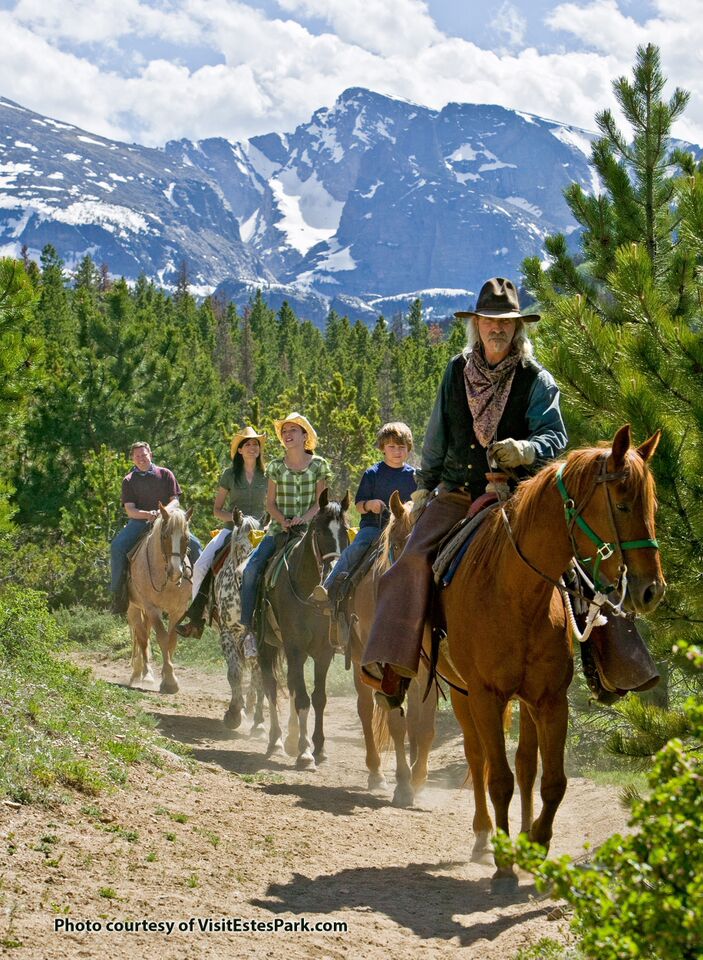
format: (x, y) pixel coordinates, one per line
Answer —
(622, 507)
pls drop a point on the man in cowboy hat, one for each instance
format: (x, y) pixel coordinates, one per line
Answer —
(143, 489)
(496, 406)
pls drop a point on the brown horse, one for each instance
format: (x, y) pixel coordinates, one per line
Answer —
(158, 584)
(507, 635)
(419, 724)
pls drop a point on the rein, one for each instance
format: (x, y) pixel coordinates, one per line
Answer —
(601, 593)
(320, 559)
(166, 557)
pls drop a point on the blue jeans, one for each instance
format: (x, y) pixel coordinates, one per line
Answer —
(251, 575)
(123, 542)
(353, 553)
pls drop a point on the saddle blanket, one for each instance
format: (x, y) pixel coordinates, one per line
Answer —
(456, 543)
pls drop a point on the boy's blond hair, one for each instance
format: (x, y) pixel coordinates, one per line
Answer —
(395, 430)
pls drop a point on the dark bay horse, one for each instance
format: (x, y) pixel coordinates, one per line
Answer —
(507, 633)
(418, 722)
(305, 631)
(159, 583)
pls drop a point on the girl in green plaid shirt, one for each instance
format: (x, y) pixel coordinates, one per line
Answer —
(295, 482)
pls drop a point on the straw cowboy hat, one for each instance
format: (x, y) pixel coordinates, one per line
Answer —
(246, 433)
(498, 298)
(301, 421)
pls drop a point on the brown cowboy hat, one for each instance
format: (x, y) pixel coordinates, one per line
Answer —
(303, 423)
(246, 433)
(498, 298)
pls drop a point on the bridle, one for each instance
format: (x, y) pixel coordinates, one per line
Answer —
(168, 555)
(320, 560)
(604, 549)
(599, 594)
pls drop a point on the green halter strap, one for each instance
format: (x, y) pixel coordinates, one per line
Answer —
(604, 550)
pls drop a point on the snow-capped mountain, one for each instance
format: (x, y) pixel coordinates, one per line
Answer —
(373, 202)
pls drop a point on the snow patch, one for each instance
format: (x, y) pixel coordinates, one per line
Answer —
(73, 157)
(524, 205)
(248, 226)
(573, 138)
(56, 175)
(260, 162)
(309, 214)
(372, 190)
(98, 143)
(117, 177)
(25, 146)
(464, 152)
(10, 171)
(496, 165)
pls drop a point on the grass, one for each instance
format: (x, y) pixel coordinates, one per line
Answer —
(59, 728)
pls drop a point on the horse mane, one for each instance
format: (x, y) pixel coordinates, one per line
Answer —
(385, 543)
(176, 518)
(526, 505)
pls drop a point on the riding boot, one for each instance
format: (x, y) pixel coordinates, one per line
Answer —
(196, 610)
(120, 599)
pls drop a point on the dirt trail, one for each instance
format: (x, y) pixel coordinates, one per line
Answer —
(239, 836)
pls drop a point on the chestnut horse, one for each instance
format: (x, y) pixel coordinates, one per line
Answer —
(507, 634)
(419, 723)
(159, 582)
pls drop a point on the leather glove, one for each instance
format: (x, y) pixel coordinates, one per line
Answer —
(513, 453)
(419, 499)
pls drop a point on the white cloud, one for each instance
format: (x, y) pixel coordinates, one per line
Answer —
(276, 71)
(509, 25)
(386, 27)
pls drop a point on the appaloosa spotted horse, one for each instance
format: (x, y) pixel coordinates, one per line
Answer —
(227, 610)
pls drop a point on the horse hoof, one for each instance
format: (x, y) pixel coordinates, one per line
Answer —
(377, 781)
(274, 748)
(291, 746)
(483, 856)
(168, 686)
(504, 882)
(305, 761)
(232, 719)
(320, 756)
(148, 677)
(403, 796)
(257, 731)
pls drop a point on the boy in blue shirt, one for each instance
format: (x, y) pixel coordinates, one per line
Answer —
(395, 440)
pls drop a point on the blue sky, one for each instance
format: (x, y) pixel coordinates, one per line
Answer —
(153, 70)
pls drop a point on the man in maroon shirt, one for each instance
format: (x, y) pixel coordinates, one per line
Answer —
(145, 486)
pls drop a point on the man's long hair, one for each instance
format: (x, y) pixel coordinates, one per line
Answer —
(522, 342)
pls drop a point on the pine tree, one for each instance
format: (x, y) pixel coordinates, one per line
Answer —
(621, 328)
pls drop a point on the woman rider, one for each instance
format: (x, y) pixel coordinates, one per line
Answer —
(295, 482)
(242, 486)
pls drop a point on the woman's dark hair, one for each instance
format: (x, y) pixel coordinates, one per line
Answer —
(238, 463)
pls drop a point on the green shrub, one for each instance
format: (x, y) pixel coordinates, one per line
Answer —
(60, 728)
(642, 895)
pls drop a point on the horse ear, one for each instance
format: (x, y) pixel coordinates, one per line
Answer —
(236, 516)
(621, 444)
(648, 448)
(323, 499)
(189, 514)
(163, 511)
(345, 502)
(396, 505)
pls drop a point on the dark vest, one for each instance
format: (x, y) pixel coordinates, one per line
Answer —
(466, 463)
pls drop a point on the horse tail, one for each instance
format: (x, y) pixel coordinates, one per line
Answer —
(381, 729)
(508, 717)
(271, 661)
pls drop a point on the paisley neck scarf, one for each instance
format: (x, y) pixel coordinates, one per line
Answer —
(487, 390)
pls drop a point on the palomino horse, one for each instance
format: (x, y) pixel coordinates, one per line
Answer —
(305, 631)
(419, 724)
(158, 585)
(507, 634)
(227, 610)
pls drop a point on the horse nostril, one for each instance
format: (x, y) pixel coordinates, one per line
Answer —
(652, 593)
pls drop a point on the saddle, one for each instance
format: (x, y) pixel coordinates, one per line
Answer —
(221, 555)
(457, 541)
(267, 627)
